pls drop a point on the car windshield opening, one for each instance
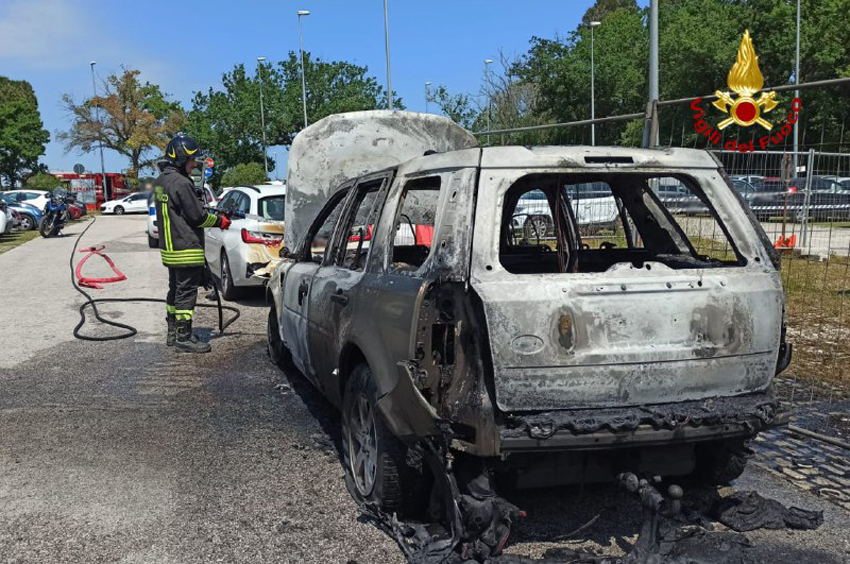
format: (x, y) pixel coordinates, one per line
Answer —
(562, 223)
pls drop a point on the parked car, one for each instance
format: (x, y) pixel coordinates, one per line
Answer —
(246, 254)
(37, 198)
(134, 203)
(678, 198)
(828, 199)
(30, 216)
(534, 364)
(7, 220)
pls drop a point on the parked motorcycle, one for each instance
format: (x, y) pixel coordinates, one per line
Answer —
(55, 213)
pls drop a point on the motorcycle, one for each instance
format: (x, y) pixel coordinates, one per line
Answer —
(55, 213)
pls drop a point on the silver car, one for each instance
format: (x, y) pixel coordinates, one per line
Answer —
(652, 350)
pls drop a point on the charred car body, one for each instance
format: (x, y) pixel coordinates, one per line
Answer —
(410, 298)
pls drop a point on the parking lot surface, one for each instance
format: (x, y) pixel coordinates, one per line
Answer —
(128, 452)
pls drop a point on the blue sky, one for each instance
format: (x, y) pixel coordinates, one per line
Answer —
(185, 47)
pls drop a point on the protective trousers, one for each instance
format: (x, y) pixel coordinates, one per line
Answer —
(183, 285)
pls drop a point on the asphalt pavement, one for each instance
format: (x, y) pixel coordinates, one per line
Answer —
(129, 452)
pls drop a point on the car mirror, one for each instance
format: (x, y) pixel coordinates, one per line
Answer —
(285, 253)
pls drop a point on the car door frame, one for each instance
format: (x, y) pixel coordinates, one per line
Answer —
(296, 281)
(333, 288)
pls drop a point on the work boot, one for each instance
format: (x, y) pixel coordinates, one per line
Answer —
(187, 341)
(171, 335)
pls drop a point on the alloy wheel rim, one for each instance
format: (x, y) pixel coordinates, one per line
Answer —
(362, 445)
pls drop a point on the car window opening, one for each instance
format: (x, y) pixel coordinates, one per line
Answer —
(272, 208)
(556, 223)
(414, 226)
(353, 249)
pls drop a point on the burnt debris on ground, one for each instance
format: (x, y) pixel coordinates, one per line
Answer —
(471, 523)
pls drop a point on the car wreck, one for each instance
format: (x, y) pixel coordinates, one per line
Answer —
(470, 348)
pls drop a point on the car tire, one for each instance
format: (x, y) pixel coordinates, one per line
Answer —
(278, 351)
(720, 462)
(536, 227)
(118, 210)
(228, 290)
(373, 457)
(153, 243)
(27, 223)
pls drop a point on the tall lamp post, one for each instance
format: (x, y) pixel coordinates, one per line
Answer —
(592, 86)
(301, 51)
(106, 196)
(387, 48)
(427, 95)
(797, 95)
(260, 61)
(487, 63)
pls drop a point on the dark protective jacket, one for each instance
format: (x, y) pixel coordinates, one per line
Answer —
(181, 219)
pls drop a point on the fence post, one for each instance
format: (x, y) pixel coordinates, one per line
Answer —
(807, 198)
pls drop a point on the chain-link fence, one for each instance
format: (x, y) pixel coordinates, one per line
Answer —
(803, 203)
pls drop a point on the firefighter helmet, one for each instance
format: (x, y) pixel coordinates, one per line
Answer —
(181, 149)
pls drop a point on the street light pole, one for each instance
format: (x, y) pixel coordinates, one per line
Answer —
(797, 92)
(301, 50)
(427, 95)
(260, 61)
(592, 86)
(387, 42)
(106, 196)
(487, 63)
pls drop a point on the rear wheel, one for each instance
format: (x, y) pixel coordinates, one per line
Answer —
(373, 457)
(118, 210)
(720, 462)
(228, 289)
(27, 223)
(153, 243)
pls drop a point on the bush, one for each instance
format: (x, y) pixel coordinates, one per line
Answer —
(244, 175)
(43, 181)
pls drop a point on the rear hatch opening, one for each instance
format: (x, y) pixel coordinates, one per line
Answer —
(622, 288)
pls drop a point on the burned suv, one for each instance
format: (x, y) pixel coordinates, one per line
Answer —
(416, 303)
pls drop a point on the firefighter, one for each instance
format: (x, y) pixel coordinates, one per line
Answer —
(182, 219)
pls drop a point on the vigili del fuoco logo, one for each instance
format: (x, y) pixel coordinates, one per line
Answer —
(746, 81)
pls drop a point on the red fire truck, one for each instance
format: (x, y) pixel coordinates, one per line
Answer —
(115, 186)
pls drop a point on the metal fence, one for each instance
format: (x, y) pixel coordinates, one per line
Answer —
(803, 203)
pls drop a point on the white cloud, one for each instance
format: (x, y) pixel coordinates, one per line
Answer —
(47, 34)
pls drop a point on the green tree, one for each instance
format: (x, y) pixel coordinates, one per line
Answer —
(457, 107)
(227, 122)
(43, 181)
(135, 119)
(22, 133)
(244, 174)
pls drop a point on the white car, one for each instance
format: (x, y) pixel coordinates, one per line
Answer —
(153, 230)
(6, 219)
(246, 254)
(134, 203)
(37, 198)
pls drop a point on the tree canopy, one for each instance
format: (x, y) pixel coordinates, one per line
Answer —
(43, 181)
(698, 42)
(135, 119)
(22, 133)
(227, 122)
(244, 174)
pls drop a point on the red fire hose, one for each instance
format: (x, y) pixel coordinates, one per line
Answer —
(95, 282)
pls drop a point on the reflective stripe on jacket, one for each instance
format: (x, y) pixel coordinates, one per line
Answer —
(182, 219)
